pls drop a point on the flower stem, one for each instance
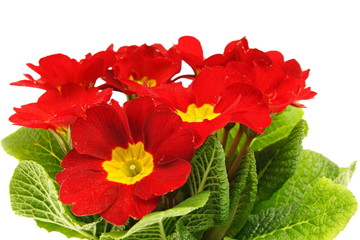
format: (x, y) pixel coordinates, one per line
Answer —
(235, 142)
(225, 135)
(63, 137)
(236, 163)
(187, 76)
(131, 97)
(216, 233)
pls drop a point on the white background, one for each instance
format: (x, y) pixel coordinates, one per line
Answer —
(322, 35)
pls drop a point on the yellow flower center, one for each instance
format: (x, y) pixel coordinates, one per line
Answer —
(129, 165)
(144, 81)
(198, 114)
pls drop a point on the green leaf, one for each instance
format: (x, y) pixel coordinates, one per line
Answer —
(37, 145)
(156, 225)
(33, 195)
(311, 167)
(181, 233)
(346, 175)
(277, 162)
(323, 212)
(280, 128)
(267, 222)
(243, 194)
(209, 173)
(242, 198)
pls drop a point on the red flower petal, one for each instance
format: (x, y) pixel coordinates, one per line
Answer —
(137, 112)
(256, 120)
(128, 205)
(164, 179)
(164, 138)
(138, 66)
(191, 51)
(276, 56)
(174, 95)
(100, 132)
(74, 162)
(56, 109)
(58, 70)
(94, 66)
(208, 85)
(31, 116)
(250, 110)
(202, 130)
(89, 191)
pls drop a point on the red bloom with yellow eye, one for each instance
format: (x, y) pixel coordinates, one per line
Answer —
(58, 70)
(212, 100)
(281, 82)
(70, 90)
(143, 66)
(56, 110)
(124, 159)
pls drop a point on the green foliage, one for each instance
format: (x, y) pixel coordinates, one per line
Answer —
(278, 192)
(37, 145)
(267, 222)
(243, 194)
(345, 175)
(280, 128)
(33, 195)
(277, 162)
(321, 214)
(311, 167)
(308, 206)
(181, 233)
(208, 173)
(242, 198)
(158, 225)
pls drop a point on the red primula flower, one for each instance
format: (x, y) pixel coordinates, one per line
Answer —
(124, 159)
(143, 66)
(212, 100)
(281, 82)
(191, 52)
(293, 88)
(57, 110)
(58, 70)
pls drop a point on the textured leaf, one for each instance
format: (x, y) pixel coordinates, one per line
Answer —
(243, 193)
(37, 145)
(33, 195)
(156, 225)
(346, 175)
(209, 173)
(50, 227)
(311, 167)
(277, 162)
(323, 212)
(264, 224)
(280, 128)
(242, 198)
(181, 233)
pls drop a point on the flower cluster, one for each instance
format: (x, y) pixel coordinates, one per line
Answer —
(122, 158)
